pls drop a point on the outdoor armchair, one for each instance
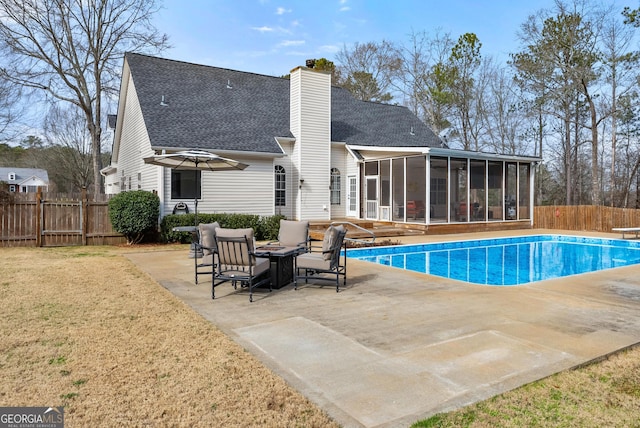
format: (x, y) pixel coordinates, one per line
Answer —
(237, 262)
(326, 263)
(205, 251)
(293, 233)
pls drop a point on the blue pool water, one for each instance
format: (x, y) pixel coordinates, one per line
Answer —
(507, 261)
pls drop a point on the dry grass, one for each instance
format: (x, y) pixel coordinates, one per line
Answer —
(83, 328)
(604, 394)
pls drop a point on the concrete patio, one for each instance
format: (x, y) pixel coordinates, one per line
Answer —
(395, 347)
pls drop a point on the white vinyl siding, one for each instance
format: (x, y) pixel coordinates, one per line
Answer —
(135, 145)
(246, 192)
(311, 125)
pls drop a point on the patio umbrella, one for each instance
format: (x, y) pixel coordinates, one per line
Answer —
(197, 160)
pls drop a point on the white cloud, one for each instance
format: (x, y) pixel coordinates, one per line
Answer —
(267, 29)
(282, 11)
(263, 29)
(339, 26)
(286, 43)
(345, 9)
(297, 53)
(283, 30)
(329, 48)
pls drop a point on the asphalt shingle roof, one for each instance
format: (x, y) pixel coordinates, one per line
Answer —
(220, 109)
(23, 174)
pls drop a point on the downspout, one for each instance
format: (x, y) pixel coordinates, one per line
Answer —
(161, 191)
(427, 197)
(532, 176)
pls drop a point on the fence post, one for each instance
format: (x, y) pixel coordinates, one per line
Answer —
(39, 217)
(84, 210)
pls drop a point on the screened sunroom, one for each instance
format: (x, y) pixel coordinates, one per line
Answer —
(447, 186)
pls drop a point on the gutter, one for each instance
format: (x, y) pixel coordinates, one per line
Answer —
(225, 153)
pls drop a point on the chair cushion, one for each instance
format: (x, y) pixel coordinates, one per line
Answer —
(207, 235)
(312, 261)
(240, 258)
(234, 233)
(208, 260)
(293, 233)
(327, 242)
(262, 264)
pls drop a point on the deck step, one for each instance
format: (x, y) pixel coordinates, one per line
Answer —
(378, 231)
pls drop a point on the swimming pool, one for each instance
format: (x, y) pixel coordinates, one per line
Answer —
(507, 261)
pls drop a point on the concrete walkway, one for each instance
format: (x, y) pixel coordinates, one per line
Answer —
(395, 347)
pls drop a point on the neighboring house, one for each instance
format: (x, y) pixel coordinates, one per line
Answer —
(314, 152)
(24, 180)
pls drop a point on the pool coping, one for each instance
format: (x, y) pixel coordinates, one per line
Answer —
(386, 255)
(395, 347)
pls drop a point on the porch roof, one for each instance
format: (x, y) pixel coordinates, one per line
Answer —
(363, 153)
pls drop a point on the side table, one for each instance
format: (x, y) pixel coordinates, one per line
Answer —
(195, 238)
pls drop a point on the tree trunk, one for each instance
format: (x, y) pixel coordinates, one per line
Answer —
(567, 159)
(595, 173)
(614, 129)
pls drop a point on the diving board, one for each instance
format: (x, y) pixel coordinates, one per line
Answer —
(624, 230)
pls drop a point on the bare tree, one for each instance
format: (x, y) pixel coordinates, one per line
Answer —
(421, 79)
(620, 70)
(559, 66)
(503, 112)
(9, 105)
(628, 130)
(72, 50)
(68, 148)
(368, 69)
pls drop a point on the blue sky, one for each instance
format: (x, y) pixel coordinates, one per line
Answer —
(273, 36)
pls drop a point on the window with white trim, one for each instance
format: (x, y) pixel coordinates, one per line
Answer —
(334, 186)
(280, 186)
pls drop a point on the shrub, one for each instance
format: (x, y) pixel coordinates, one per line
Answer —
(134, 213)
(269, 227)
(266, 228)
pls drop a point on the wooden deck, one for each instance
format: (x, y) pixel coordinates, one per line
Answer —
(389, 230)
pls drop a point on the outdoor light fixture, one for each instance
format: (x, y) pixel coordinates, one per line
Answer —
(301, 183)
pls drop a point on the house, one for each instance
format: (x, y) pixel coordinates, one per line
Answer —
(24, 180)
(314, 152)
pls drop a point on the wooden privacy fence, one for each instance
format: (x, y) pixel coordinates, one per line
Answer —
(585, 217)
(46, 219)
